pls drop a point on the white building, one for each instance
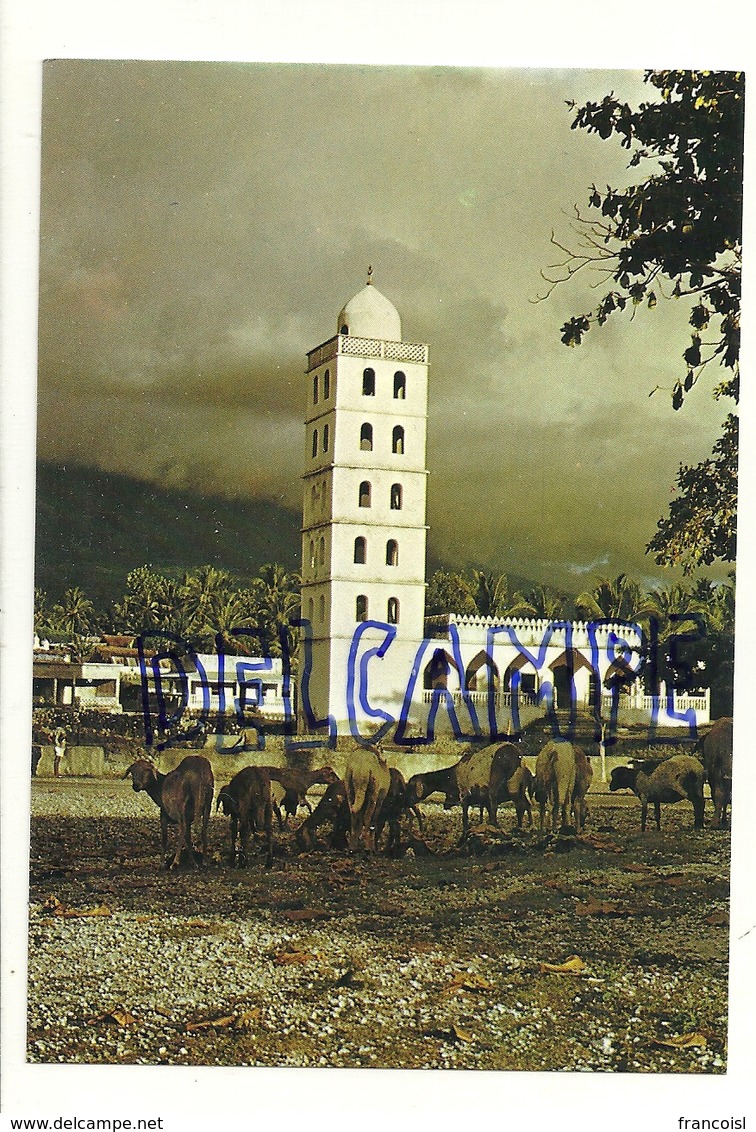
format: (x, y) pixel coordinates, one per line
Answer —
(363, 531)
(366, 660)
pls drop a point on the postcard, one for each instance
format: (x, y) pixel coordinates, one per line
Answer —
(383, 671)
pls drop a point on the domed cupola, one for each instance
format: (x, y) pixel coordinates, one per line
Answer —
(370, 315)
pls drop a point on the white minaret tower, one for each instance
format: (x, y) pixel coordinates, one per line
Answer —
(363, 530)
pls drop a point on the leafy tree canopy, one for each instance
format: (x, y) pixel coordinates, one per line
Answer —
(676, 234)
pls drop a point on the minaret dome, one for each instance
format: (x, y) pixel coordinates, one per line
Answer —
(370, 315)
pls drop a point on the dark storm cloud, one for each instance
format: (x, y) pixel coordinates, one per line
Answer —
(203, 224)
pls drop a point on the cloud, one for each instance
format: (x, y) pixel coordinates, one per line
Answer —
(203, 224)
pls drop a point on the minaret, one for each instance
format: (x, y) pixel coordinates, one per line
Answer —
(363, 530)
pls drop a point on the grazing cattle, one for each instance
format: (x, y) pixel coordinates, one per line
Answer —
(583, 779)
(296, 784)
(247, 800)
(556, 775)
(395, 805)
(367, 780)
(671, 780)
(716, 747)
(182, 796)
(510, 781)
(333, 808)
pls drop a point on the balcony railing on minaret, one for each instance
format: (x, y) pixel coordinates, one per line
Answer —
(349, 345)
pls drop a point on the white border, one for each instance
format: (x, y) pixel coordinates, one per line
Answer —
(454, 32)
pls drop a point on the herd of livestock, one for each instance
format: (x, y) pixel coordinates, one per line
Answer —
(371, 795)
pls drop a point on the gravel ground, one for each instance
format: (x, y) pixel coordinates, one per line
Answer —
(423, 962)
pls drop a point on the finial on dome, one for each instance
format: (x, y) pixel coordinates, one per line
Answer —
(370, 275)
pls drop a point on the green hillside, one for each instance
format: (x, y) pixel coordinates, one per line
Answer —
(93, 527)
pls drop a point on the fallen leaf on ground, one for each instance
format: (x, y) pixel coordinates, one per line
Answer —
(297, 914)
(675, 880)
(58, 908)
(294, 955)
(119, 1015)
(682, 1041)
(464, 980)
(601, 841)
(593, 907)
(460, 1035)
(719, 918)
(631, 867)
(573, 965)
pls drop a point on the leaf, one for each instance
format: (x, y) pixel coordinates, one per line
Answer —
(299, 914)
(295, 955)
(58, 908)
(573, 965)
(601, 841)
(592, 907)
(718, 918)
(683, 1041)
(465, 980)
(675, 880)
(211, 1024)
(119, 1015)
(459, 1034)
(631, 867)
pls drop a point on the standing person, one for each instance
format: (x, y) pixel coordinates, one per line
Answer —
(59, 745)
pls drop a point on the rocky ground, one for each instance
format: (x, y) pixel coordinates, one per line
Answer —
(423, 962)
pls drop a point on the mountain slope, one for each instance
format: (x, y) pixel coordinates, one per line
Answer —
(93, 527)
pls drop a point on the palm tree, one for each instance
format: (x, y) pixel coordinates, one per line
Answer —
(202, 592)
(540, 601)
(621, 599)
(276, 595)
(41, 612)
(147, 603)
(75, 614)
(490, 593)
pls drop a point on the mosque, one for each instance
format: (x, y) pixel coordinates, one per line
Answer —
(369, 659)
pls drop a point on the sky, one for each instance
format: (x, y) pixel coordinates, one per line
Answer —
(202, 225)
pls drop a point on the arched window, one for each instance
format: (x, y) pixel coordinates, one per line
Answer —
(397, 440)
(360, 549)
(344, 329)
(315, 443)
(400, 385)
(314, 495)
(392, 611)
(321, 549)
(315, 390)
(321, 607)
(326, 385)
(312, 555)
(325, 437)
(364, 494)
(392, 552)
(366, 438)
(396, 497)
(310, 609)
(368, 382)
(362, 608)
